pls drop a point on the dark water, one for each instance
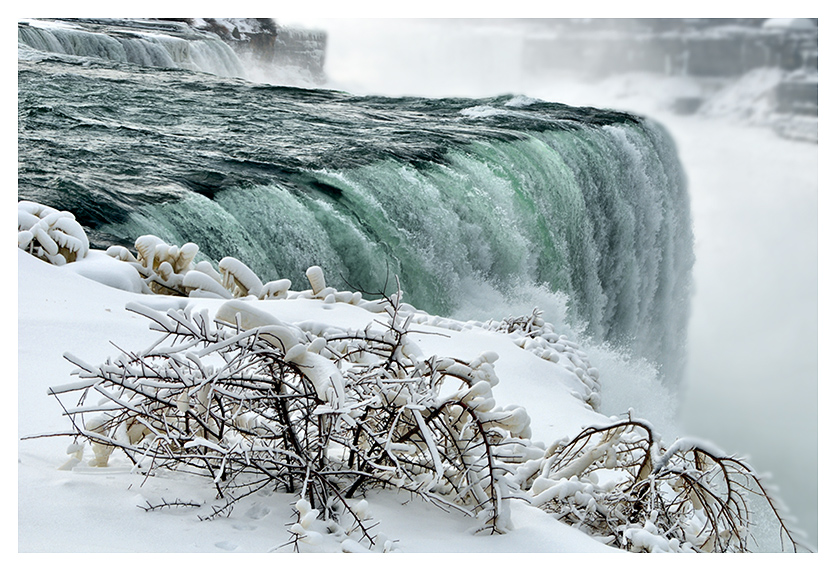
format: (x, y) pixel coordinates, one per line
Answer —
(454, 196)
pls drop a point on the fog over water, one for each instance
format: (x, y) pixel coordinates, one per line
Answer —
(752, 378)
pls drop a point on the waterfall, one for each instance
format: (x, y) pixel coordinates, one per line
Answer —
(166, 46)
(472, 204)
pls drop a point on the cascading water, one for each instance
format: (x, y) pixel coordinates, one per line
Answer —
(464, 200)
(156, 44)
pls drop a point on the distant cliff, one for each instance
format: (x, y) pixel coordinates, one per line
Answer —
(698, 48)
(762, 71)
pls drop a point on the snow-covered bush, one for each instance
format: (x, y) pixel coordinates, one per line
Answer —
(253, 403)
(533, 333)
(171, 270)
(50, 234)
(619, 484)
(326, 413)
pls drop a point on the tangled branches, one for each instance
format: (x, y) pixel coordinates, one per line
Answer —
(618, 483)
(526, 324)
(251, 403)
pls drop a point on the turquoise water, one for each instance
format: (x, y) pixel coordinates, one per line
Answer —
(455, 197)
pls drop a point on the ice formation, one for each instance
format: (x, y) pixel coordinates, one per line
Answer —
(52, 235)
(172, 270)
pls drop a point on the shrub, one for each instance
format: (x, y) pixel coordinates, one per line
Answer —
(250, 403)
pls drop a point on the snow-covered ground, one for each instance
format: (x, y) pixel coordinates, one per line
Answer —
(86, 509)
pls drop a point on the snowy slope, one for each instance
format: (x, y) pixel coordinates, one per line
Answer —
(85, 509)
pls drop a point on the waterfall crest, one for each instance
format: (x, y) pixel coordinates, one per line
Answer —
(462, 199)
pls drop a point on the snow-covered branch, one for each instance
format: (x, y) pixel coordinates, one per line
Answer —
(249, 401)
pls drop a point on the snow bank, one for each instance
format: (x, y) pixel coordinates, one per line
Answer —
(68, 309)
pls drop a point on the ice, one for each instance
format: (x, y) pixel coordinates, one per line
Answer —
(316, 278)
(198, 283)
(238, 278)
(52, 235)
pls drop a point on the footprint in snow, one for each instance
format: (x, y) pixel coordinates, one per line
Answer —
(257, 511)
(226, 545)
(244, 526)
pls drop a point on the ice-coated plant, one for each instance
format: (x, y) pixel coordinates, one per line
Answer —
(618, 483)
(251, 403)
(171, 270)
(52, 235)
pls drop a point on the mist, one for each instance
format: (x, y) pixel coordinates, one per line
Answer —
(751, 383)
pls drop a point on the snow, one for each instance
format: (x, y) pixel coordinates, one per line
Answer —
(66, 309)
(95, 509)
(236, 272)
(98, 267)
